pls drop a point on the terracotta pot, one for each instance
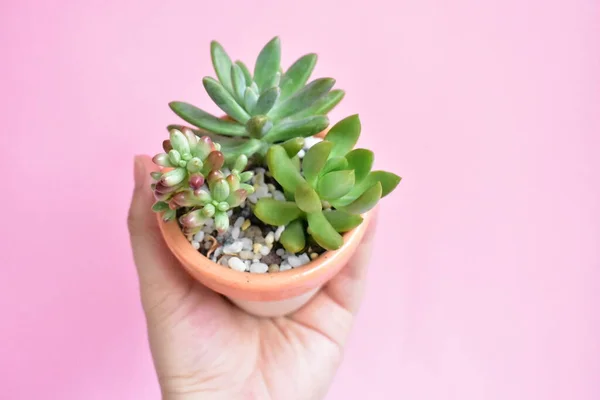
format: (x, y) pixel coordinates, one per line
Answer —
(269, 294)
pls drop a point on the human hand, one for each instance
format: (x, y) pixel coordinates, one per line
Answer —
(204, 347)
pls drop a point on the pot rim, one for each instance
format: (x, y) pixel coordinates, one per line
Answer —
(254, 284)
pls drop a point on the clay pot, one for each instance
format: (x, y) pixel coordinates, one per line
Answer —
(270, 294)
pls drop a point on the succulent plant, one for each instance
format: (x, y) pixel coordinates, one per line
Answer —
(328, 192)
(266, 107)
(192, 178)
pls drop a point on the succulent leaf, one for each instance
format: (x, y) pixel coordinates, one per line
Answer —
(173, 177)
(247, 147)
(334, 164)
(267, 63)
(274, 82)
(155, 175)
(245, 71)
(335, 184)
(222, 64)
(160, 206)
(266, 101)
(234, 182)
(275, 212)
(213, 162)
(323, 105)
(344, 135)
(250, 99)
(342, 221)
(236, 198)
(307, 198)
(323, 232)
(162, 159)
(239, 83)
(291, 128)
(179, 142)
(293, 146)
(169, 215)
(196, 181)
(366, 201)
(283, 169)
(315, 159)
(302, 99)
(209, 210)
(204, 120)
(388, 181)
(246, 176)
(258, 126)
(220, 190)
(248, 188)
(194, 165)
(293, 238)
(297, 75)
(225, 100)
(240, 163)
(361, 161)
(221, 221)
(174, 157)
(204, 147)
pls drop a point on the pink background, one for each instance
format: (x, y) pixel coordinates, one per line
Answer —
(486, 282)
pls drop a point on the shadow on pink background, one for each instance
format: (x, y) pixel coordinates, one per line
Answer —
(486, 279)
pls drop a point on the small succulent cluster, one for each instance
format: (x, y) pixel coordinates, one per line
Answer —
(269, 106)
(328, 192)
(192, 178)
(268, 116)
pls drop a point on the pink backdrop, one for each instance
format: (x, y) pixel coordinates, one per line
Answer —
(486, 281)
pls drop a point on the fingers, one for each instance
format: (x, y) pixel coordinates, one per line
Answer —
(159, 274)
(348, 286)
(332, 310)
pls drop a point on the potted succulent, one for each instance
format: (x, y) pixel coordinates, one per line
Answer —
(267, 203)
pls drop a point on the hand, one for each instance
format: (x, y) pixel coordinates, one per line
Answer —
(206, 348)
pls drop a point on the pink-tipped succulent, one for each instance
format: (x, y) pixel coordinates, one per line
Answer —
(193, 179)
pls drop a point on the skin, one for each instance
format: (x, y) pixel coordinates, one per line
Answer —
(204, 347)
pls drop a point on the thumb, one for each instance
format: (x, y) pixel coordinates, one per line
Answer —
(159, 273)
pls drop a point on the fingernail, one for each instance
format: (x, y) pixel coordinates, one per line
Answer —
(138, 172)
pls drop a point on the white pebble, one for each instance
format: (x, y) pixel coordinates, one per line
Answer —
(237, 264)
(229, 213)
(233, 248)
(239, 222)
(280, 252)
(311, 141)
(284, 266)
(252, 198)
(259, 268)
(247, 262)
(195, 244)
(209, 222)
(235, 232)
(246, 243)
(246, 255)
(294, 261)
(260, 170)
(277, 195)
(270, 238)
(278, 232)
(304, 258)
(218, 252)
(262, 191)
(198, 237)
(265, 250)
(301, 154)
